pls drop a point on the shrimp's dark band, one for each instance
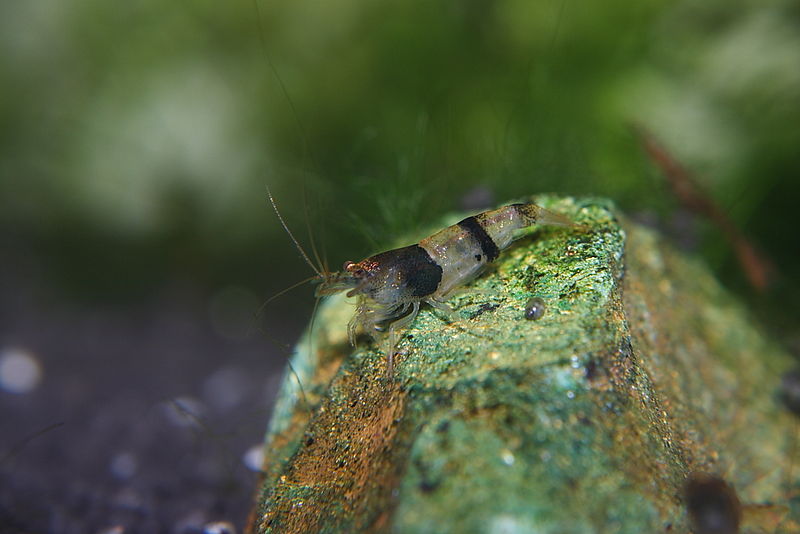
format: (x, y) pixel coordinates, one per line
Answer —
(488, 246)
(421, 275)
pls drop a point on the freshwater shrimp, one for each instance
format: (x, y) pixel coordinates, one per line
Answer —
(391, 286)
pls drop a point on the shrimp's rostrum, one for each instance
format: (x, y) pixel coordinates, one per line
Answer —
(391, 286)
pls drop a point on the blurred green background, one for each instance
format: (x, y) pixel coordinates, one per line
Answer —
(138, 138)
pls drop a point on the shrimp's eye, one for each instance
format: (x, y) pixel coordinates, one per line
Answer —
(354, 268)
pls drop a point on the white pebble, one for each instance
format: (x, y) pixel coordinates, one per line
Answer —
(253, 458)
(123, 465)
(20, 371)
(226, 387)
(219, 527)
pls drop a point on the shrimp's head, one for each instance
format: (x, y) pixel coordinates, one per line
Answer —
(388, 279)
(354, 276)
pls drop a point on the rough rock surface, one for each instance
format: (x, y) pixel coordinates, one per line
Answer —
(641, 370)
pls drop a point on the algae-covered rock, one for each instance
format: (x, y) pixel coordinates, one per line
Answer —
(641, 371)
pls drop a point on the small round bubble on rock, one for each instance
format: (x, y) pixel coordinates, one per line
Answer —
(534, 309)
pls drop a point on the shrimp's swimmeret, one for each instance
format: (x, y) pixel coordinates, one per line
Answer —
(391, 286)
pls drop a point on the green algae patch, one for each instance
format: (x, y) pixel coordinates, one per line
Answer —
(589, 419)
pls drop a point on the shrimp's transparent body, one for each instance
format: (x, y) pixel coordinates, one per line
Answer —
(391, 286)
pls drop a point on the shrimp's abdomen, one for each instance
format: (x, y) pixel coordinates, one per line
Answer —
(464, 249)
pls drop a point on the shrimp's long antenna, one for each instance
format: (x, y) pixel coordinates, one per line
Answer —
(291, 235)
(306, 146)
(261, 308)
(17, 448)
(282, 345)
(310, 233)
(277, 75)
(300, 385)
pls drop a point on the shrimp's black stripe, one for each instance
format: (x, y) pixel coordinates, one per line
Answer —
(420, 275)
(488, 246)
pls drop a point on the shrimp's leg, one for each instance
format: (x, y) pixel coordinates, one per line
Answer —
(394, 329)
(451, 314)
